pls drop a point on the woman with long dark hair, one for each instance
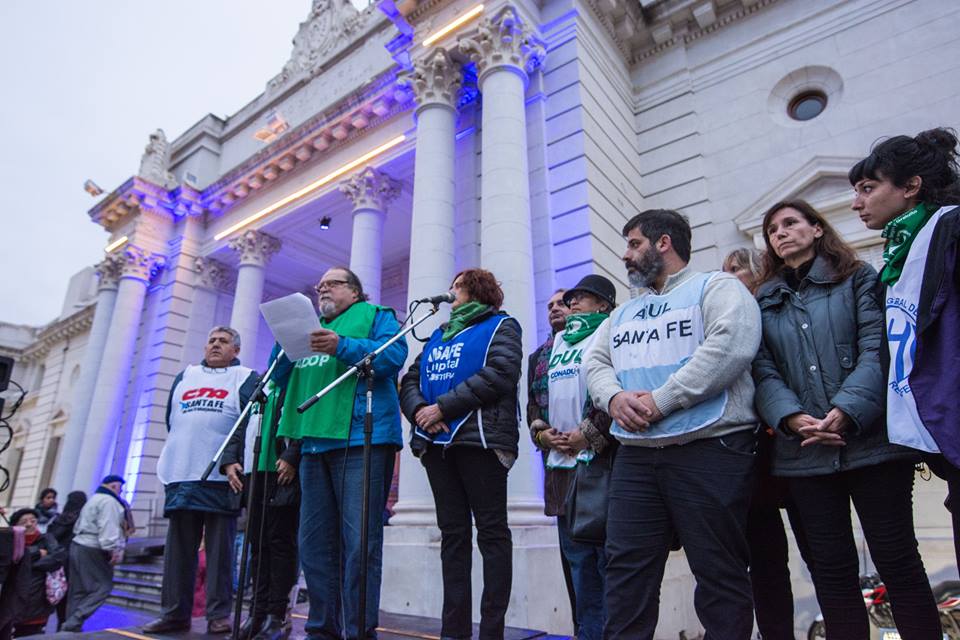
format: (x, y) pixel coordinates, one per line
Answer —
(461, 396)
(820, 384)
(910, 188)
(61, 528)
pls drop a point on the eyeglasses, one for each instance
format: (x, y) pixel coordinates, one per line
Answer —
(329, 284)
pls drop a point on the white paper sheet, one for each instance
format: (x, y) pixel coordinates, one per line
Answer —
(292, 319)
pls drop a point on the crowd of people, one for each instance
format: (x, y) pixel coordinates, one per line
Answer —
(689, 416)
(69, 556)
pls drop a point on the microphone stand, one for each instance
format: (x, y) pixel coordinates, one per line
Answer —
(256, 397)
(363, 369)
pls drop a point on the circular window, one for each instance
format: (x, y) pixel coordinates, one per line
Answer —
(807, 106)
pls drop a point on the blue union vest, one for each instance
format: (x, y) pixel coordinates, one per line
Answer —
(444, 365)
(651, 337)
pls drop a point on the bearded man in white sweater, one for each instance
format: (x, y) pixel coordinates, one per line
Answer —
(672, 368)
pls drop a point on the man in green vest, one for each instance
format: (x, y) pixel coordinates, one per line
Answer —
(331, 466)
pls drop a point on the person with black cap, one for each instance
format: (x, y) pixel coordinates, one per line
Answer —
(579, 433)
(100, 536)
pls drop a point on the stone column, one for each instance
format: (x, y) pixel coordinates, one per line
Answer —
(370, 191)
(436, 81)
(504, 50)
(108, 272)
(106, 403)
(255, 249)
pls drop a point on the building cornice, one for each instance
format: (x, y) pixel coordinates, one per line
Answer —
(361, 111)
(647, 29)
(59, 331)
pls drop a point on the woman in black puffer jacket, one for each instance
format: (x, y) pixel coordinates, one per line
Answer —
(46, 555)
(461, 395)
(821, 386)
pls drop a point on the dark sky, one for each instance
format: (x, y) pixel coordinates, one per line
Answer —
(82, 84)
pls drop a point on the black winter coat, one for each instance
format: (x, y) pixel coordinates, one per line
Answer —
(37, 605)
(278, 495)
(490, 393)
(821, 349)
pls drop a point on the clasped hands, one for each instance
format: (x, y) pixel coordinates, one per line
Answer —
(635, 411)
(569, 443)
(430, 419)
(234, 472)
(828, 431)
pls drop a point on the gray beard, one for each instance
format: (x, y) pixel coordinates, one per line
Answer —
(644, 272)
(327, 309)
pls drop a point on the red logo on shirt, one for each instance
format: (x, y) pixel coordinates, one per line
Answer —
(206, 392)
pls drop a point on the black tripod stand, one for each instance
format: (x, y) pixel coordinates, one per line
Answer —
(363, 369)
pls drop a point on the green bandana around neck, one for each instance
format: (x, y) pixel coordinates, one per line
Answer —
(900, 233)
(330, 417)
(582, 325)
(462, 316)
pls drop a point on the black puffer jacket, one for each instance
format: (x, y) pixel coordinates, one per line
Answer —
(491, 393)
(41, 565)
(821, 349)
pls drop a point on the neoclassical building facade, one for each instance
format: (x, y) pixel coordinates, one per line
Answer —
(415, 138)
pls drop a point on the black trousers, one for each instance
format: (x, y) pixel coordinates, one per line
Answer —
(184, 532)
(883, 497)
(274, 562)
(699, 492)
(471, 481)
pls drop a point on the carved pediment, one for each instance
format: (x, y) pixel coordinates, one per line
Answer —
(331, 26)
(823, 183)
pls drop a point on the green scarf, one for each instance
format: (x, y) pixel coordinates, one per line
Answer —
(900, 233)
(330, 417)
(461, 317)
(582, 325)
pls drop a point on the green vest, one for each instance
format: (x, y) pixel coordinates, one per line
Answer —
(330, 417)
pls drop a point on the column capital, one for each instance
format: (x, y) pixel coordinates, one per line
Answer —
(255, 247)
(140, 264)
(210, 274)
(436, 80)
(503, 40)
(109, 270)
(371, 189)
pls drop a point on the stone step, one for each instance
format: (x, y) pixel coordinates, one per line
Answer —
(135, 585)
(135, 600)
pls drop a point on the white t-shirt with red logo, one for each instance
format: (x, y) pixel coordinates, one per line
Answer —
(206, 404)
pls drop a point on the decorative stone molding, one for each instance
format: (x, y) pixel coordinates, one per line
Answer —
(331, 26)
(108, 271)
(255, 247)
(503, 40)
(435, 80)
(140, 264)
(211, 274)
(360, 111)
(155, 162)
(56, 332)
(371, 189)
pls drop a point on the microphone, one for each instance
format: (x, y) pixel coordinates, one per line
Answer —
(443, 297)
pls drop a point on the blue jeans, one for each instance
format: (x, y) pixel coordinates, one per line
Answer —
(332, 495)
(587, 566)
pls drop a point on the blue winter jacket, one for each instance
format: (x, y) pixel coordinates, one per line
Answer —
(386, 403)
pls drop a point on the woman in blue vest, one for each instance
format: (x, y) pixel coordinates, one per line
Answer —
(461, 395)
(821, 386)
(910, 188)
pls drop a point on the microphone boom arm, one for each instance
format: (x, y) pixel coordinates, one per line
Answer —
(367, 360)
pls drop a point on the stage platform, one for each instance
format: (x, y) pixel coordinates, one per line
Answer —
(393, 626)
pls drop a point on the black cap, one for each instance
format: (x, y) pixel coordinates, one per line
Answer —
(113, 478)
(595, 284)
